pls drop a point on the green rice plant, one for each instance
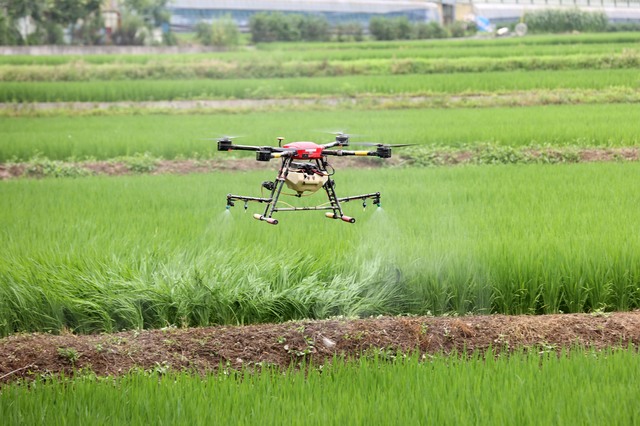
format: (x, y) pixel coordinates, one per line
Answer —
(306, 87)
(171, 136)
(105, 254)
(525, 388)
(272, 67)
(538, 45)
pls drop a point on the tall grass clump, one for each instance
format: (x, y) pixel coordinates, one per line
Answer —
(526, 388)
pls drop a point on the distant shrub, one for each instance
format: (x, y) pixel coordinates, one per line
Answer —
(430, 30)
(565, 20)
(269, 27)
(460, 29)
(6, 31)
(130, 32)
(623, 27)
(348, 31)
(390, 29)
(401, 29)
(221, 33)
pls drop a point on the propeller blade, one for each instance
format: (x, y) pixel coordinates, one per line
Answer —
(223, 137)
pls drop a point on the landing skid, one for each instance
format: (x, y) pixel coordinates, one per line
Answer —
(272, 201)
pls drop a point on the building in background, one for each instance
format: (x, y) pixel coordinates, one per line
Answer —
(185, 14)
(508, 11)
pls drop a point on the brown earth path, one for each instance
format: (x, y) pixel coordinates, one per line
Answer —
(282, 345)
(187, 166)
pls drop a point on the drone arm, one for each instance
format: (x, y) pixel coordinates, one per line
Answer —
(382, 152)
(231, 147)
(335, 143)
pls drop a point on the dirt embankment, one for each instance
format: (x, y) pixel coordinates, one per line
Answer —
(282, 345)
(187, 166)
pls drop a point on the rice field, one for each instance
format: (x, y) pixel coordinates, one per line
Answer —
(104, 254)
(308, 87)
(535, 46)
(528, 389)
(174, 136)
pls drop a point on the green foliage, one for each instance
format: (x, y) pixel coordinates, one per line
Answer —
(147, 251)
(611, 85)
(390, 29)
(623, 27)
(479, 154)
(565, 20)
(40, 166)
(529, 388)
(154, 13)
(203, 32)
(269, 27)
(130, 32)
(139, 163)
(139, 18)
(221, 33)
(430, 30)
(70, 355)
(401, 29)
(106, 137)
(50, 17)
(348, 32)
(461, 29)
(8, 34)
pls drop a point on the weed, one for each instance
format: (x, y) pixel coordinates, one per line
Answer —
(70, 355)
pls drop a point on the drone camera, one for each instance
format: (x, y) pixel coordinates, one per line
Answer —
(383, 151)
(224, 145)
(263, 155)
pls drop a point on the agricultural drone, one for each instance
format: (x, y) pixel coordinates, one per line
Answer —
(305, 168)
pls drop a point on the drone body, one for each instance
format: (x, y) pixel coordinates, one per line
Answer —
(309, 175)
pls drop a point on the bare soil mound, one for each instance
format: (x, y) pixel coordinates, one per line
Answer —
(283, 345)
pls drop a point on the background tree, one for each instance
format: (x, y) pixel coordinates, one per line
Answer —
(50, 18)
(147, 16)
(220, 33)
(268, 27)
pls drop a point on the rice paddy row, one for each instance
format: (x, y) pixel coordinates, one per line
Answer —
(527, 389)
(485, 83)
(536, 45)
(184, 136)
(276, 69)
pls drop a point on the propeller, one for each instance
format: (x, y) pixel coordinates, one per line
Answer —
(341, 137)
(222, 138)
